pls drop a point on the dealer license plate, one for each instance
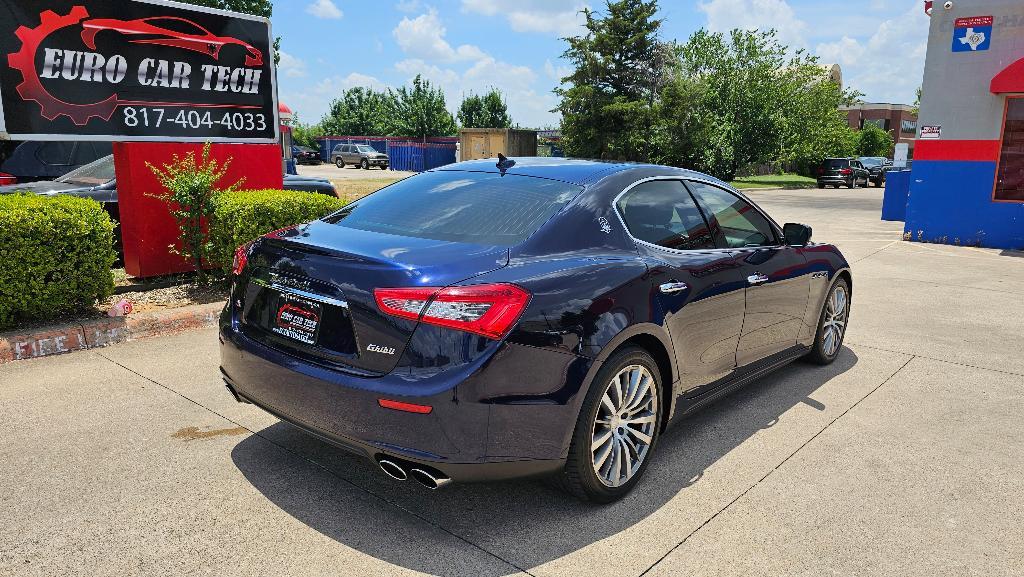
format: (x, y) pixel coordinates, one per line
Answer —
(297, 319)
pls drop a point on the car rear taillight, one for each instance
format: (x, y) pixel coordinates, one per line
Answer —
(241, 258)
(6, 179)
(846, 171)
(242, 252)
(488, 310)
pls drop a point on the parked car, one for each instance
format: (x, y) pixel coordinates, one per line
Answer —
(39, 160)
(96, 181)
(842, 171)
(306, 155)
(362, 155)
(876, 166)
(549, 318)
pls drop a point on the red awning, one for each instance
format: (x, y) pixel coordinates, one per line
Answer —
(1010, 80)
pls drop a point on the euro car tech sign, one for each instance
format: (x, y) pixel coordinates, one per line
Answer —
(133, 71)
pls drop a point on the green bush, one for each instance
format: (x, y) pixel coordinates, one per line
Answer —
(55, 256)
(242, 216)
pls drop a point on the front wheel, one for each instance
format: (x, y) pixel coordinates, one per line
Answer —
(365, 164)
(617, 428)
(339, 162)
(835, 315)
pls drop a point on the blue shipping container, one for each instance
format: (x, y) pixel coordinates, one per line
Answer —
(419, 157)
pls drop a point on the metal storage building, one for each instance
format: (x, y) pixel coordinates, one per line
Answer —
(477, 143)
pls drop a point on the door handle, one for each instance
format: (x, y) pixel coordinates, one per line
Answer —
(671, 288)
(756, 279)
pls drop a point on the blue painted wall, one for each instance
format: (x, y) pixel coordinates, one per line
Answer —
(951, 203)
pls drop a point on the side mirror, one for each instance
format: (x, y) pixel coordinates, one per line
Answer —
(797, 234)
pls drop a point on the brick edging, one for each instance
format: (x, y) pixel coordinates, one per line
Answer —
(68, 338)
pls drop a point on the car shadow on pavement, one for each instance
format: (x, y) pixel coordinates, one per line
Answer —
(526, 522)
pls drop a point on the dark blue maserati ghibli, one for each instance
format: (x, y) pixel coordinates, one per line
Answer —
(535, 317)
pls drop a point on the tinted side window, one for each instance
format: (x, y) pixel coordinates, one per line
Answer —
(662, 212)
(58, 153)
(738, 223)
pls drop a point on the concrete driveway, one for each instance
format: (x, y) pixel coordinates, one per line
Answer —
(905, 458)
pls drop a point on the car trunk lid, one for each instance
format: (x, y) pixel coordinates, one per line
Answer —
(316, 301)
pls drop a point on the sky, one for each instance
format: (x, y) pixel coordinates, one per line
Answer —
(469, 46)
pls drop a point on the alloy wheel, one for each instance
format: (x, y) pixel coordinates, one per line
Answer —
(835, 321)
(624, 427)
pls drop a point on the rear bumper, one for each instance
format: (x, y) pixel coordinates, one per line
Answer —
(477, 431)
(834, 179)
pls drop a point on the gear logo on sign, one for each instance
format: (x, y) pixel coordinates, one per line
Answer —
(973, 34)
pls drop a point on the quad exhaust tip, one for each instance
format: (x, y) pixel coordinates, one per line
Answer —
(429, 480)
(401, 471)
(393, 470)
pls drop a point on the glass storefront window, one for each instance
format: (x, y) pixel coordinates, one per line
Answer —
(1010, 176)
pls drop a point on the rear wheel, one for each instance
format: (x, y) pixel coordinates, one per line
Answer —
(828, 341)
(617, 429)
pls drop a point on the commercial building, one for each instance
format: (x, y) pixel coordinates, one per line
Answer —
(967, 185)
(898, 120)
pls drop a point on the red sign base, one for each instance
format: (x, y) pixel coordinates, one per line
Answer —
(147, 227)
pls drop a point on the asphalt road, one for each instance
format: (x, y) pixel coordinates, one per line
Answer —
(904, 458)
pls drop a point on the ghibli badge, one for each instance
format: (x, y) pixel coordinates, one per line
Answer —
(380, 349)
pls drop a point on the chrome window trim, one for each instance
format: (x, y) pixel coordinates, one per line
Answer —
(683, 180)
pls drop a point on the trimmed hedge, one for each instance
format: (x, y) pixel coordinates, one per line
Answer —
(55, 256)
(244, 215)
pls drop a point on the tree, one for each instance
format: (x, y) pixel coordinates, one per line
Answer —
(263, 8)
(916, 110)
(488, 111)
(873, 141)
(359, 112)
(306, 134)
(608, 102)
(419, 111)
(744, 98)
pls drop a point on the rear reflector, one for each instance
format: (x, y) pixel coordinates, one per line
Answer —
(405, 407)
(489, 310)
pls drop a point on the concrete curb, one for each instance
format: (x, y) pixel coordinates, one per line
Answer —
(68, 338)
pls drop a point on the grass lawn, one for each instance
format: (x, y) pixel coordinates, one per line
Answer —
(775, 181)
(352, 189)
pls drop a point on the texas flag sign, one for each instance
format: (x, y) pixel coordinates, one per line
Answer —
(973, 34)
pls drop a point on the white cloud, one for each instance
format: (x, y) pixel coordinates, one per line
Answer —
(311, 104)
(900, 44)
(559, 17)
(556, 73)
(725, 15)
(526, 106)
(325, 9)
(291, 67)
(408, 6)
(423, 38)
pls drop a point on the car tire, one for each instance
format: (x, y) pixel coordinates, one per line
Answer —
(339, 162)
(828, 341)
(365, 164)
(625, 446)
(852, 184)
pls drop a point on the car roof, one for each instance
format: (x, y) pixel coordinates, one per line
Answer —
(574, 171)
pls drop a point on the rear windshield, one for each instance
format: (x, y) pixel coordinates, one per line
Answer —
(835, 163)
(472, 207)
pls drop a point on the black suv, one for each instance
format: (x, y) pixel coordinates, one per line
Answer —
(877, 167)
(842, 171)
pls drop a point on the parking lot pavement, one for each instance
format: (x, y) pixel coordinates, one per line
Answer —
(350, 172)
(903, 458)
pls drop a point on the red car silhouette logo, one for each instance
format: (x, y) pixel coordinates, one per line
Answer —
(170, 31)
(293, 316)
